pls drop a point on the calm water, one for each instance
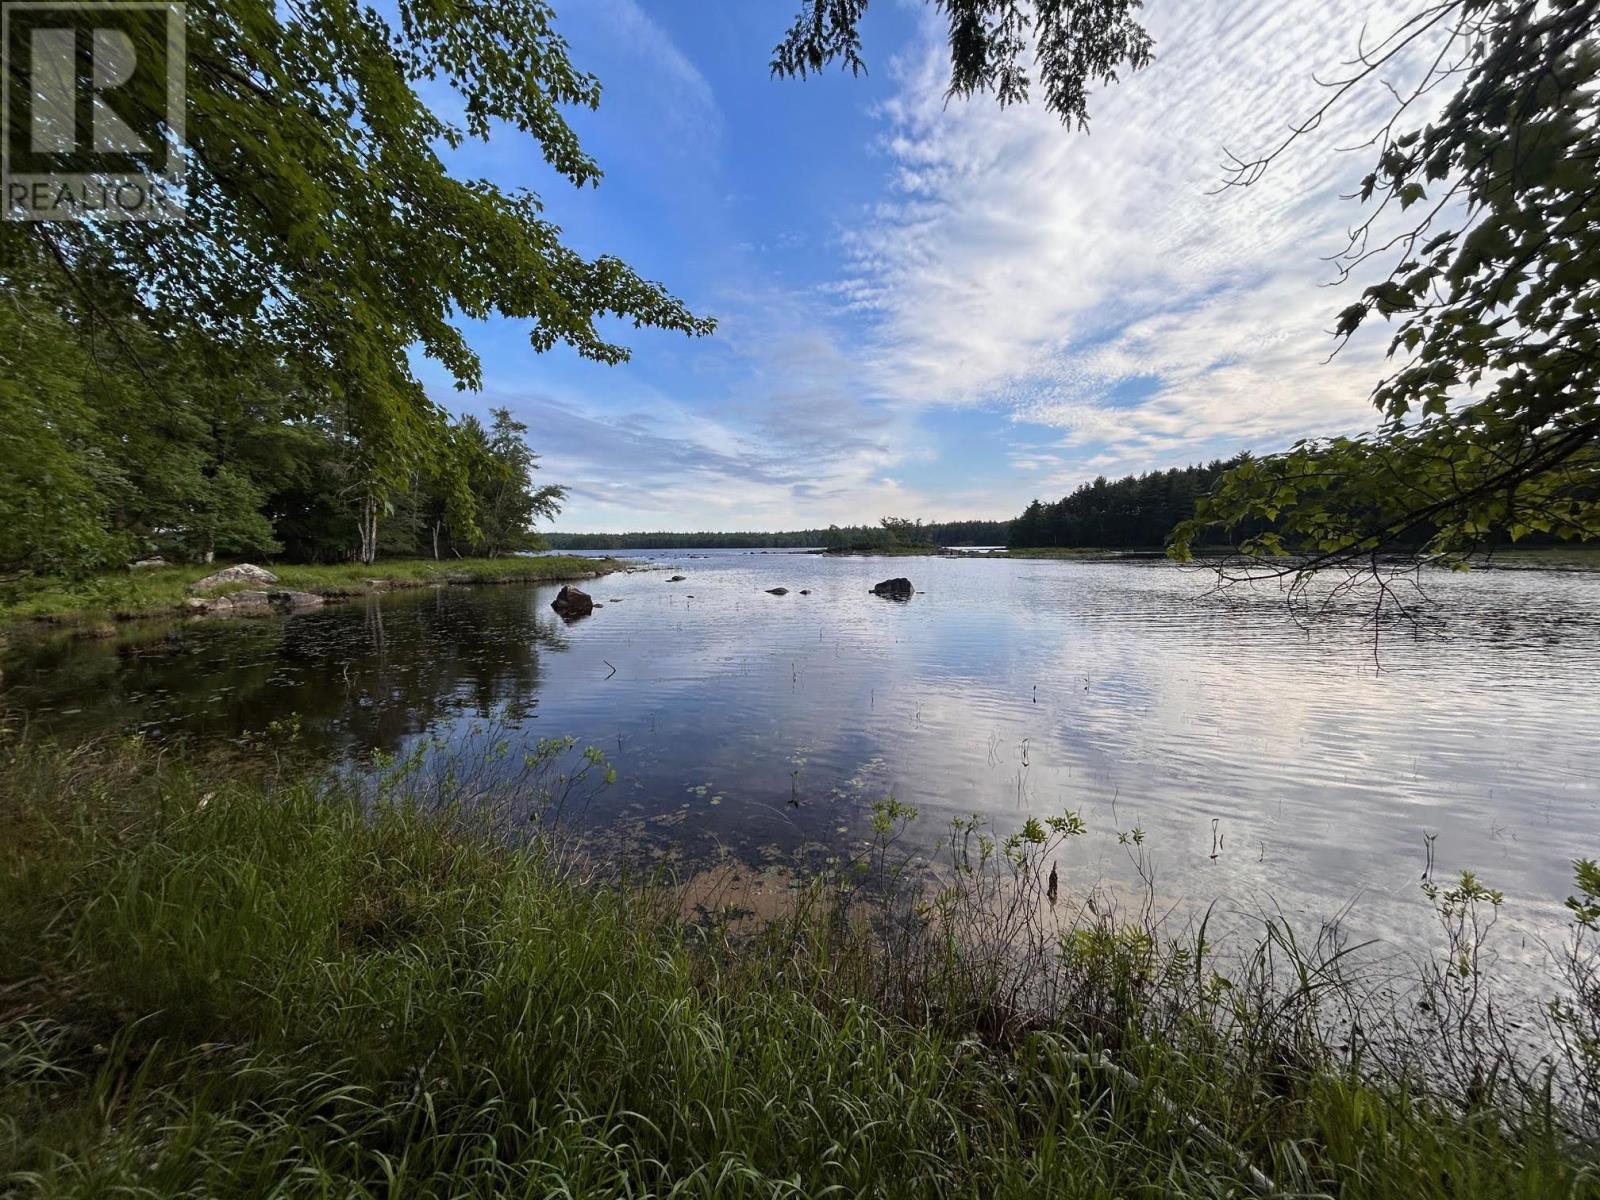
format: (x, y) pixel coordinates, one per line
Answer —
(1267, 764)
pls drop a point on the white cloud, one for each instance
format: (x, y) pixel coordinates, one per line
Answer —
(1089, 290)
(1020, 265)
(789, 444)
(686, 96)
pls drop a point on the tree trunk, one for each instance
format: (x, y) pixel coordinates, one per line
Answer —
(369, 529)
(436, 541)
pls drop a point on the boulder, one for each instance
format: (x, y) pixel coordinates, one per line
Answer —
(779, 591)
(894, 589)
(677, 579)
(147, 564)
(253, 602)
(570, 602)
(292, 600)
(248, 603)
(243, 573)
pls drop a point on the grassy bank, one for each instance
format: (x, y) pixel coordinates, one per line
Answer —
(217, 986)
(121, 595)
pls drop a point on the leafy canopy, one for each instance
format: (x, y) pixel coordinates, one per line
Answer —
(323, 221)
(1490, 421)
(1073, 42)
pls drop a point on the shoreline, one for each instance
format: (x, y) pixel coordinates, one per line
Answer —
(191, 951)
(112, 598)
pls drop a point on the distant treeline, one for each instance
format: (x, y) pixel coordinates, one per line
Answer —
(1137, 511)
(939, 533)
(1140, 511)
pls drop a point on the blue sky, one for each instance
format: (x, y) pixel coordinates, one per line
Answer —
(926, 309)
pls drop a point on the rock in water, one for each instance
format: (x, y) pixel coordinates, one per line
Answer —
(243, 573)
(894, 589)
(294, 600)
(677, 579)
(249, 603)
(570, 602)
(777, 591)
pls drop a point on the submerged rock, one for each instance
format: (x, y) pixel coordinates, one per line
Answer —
(894, 589)
(286, 599)
(243, 573)
(778, 591)
(570, 602)
(249, 603)
(253, 602)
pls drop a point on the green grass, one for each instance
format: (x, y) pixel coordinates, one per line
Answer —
(218, 986)
(120, 595)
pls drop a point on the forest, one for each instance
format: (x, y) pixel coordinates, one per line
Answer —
(122, 443)
(241, 381)
(1136, 512)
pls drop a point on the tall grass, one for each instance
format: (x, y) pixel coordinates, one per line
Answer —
(294, 985)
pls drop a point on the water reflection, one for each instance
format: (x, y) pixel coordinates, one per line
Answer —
(1132, 692)
(359, 677)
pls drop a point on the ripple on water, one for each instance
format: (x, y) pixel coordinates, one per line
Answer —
(1134, 692)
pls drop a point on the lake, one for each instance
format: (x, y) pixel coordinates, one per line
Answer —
(1266, 762)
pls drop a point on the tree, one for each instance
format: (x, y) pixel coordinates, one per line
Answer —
(56, 482)
(124, 442)
(1490, 422)
(1074, 42)
(323, 222)
(903, 531)
(1135, 512)
(499, 475)
(1490, 426)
